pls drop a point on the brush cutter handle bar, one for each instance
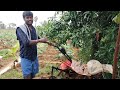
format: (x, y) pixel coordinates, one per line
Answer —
(68, 57)
(51, 44)
(62, 50)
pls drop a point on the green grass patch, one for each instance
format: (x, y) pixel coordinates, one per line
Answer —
(3, 52)
(12, 74)
(15, 74)
(41, 47)
(47, 69)
(8, 37)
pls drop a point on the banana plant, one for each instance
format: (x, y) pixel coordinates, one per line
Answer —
(12, 51)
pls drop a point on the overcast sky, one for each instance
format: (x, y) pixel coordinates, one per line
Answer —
(16, 16)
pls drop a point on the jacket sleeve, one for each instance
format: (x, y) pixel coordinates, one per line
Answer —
(22, 37)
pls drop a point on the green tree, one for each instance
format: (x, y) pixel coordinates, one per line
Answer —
(81, 28)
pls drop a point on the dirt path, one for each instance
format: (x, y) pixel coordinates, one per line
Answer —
(4, 63)
(49, 56)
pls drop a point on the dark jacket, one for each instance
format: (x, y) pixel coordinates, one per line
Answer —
(27, 51)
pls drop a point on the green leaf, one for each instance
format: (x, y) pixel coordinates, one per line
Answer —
(116, 19)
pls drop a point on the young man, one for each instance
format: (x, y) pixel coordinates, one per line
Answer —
(28, 39)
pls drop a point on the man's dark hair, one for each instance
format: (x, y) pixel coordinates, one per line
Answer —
(27, 13)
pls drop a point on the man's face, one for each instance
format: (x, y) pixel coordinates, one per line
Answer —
(28, 20)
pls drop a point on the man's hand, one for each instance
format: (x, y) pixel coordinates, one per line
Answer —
(43, 40)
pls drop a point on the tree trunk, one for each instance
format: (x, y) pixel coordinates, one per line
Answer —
(116, 55)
